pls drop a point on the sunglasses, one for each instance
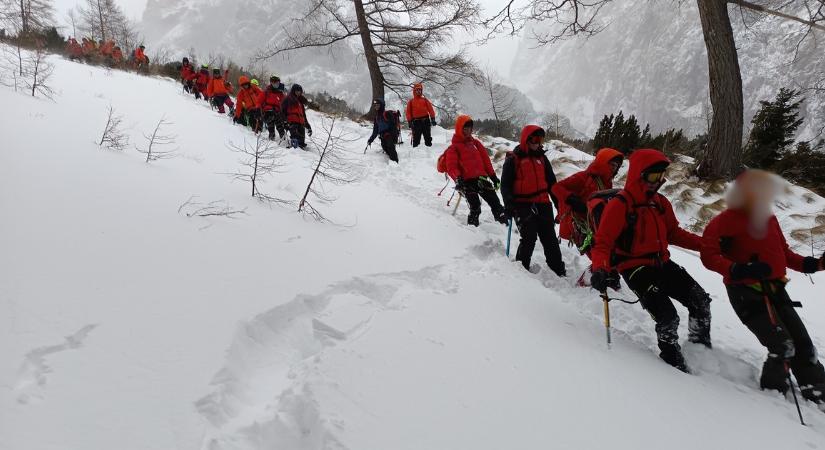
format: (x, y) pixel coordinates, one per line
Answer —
(654, 177)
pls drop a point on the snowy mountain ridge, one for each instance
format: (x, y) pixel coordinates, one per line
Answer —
(130, 325)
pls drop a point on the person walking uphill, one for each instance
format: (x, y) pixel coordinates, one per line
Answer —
(296, 116)
(217, 93)
(636, 229)
(469, 165)
(574, 192)
(420, 116)
(270, 100)
(385, 127)
(526, 183)
(746, 246)
(248, 109)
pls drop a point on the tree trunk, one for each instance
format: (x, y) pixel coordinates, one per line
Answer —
(723, 155)
(102, 26)
(376, 77)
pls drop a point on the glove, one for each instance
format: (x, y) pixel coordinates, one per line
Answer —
(459, 184)
(369, 141)
(599, 280)
(433, 122)
(496, 181)
(576, 204)
(309, 130)
(810, 264)
(756, 270)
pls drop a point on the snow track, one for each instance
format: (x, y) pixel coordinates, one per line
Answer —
(405, 329)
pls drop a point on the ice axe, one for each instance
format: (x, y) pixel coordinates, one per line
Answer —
(606, 301)
(509, 235)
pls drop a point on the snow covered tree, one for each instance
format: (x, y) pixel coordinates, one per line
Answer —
(26, 17)
(502, 103)
(103, 20)
(774, 129)
(403, 41)
(723, 156)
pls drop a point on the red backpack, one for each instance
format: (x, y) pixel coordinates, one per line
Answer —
(441, 165)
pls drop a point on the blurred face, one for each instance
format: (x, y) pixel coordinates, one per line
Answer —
(299, 93)
(467, 131)
(419, 91)
(615, 165)
(246, 85)
(376, 106)
(534, 142)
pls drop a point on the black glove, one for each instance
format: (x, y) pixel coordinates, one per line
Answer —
(369, 141)
(459, 184)
(576, 204)
(756, 270)
(810, 264)
(309, 130)
(599, 280)
(433, 122)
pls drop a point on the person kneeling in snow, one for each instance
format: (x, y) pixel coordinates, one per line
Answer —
(385, 127)
(635, 231)
(469, 165)
(746, 246)
(526, 182)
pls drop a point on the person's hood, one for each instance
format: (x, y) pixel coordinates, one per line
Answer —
(294, 88)
(417, 86)
(640, 161)
(381, 103)
(601, 164)
(243, 80)
(526, 132)
(460, 121)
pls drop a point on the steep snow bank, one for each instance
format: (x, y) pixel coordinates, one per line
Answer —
(127, 325)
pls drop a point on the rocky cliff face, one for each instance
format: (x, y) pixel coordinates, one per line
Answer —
(651, 61)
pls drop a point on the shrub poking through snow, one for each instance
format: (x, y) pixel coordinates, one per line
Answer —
(113, 137)
(158, 142)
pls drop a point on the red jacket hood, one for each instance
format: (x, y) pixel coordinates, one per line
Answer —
(601, 164)
(525, 133)
(418, 86)
(641, 160)
(459, 128)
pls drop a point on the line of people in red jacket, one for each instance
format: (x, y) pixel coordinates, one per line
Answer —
(270, 107)
(627, 234)
(107, 53)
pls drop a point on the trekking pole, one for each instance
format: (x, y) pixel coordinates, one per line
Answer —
(775, 324)
(606, 301)
(458, 202)
(509, 235)
(365, 148)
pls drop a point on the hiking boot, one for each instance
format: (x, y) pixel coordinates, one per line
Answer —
(814, 393)
(472, 219)
(560, 271)
(674, 357)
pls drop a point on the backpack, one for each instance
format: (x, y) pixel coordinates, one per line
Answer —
(393, 119)
(441, 164)
(595, 208)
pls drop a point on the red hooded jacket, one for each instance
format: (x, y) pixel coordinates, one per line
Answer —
(527, 177)
(419, 107)
(727, 241)
(271, 99)
(187, 73)
(596, 177)
(466, 157)
(655, 227)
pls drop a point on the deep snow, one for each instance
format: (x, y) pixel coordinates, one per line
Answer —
(126, 324)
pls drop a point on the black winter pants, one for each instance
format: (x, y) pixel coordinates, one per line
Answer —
(421, 127)
(253, 119)
(274, 120)
(297, 135)
(535, 220)
(388, 142)
(655, 286)
(473, 194)
(788, 341)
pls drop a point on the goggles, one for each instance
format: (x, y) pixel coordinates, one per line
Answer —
(654, 177)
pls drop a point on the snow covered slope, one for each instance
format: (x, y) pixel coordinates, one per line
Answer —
(127, 325)
(651, 61)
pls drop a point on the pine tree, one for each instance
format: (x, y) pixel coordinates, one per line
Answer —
(602, 138)
(774, 128)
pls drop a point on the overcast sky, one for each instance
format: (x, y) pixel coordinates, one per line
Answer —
(497, 55)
